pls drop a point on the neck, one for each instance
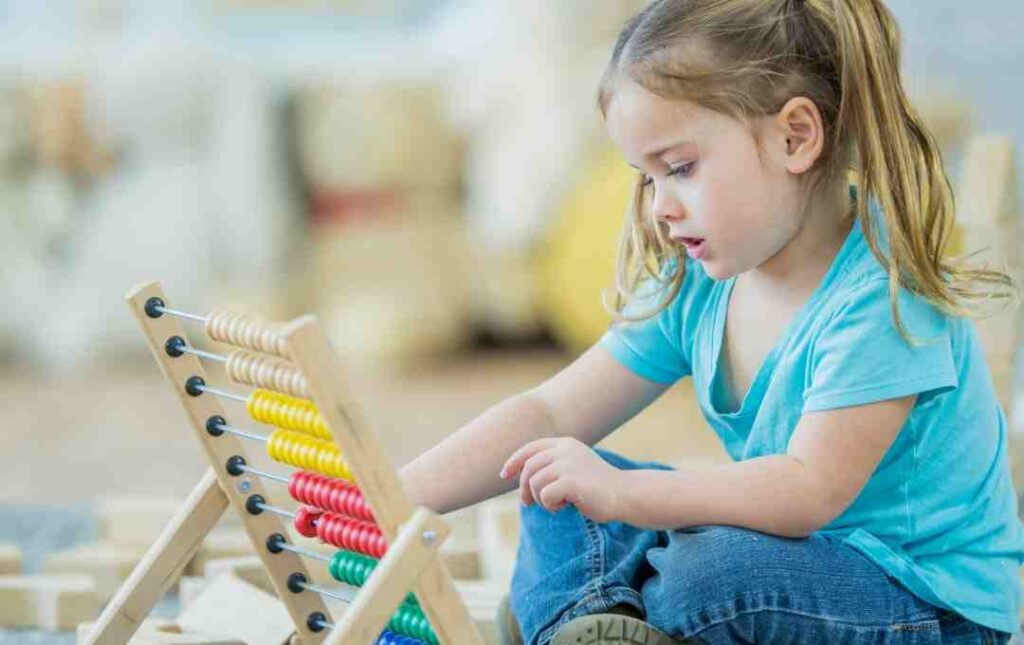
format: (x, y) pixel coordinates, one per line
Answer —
(801, 264)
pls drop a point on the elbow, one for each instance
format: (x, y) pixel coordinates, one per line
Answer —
(808, 515)
(798, 529)
(802, 525)
(816, 515)
(819, 501)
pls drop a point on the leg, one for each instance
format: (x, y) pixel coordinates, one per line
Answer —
(725, 585)
(570, 566)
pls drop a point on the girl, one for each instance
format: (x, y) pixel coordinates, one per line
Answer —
(870, 498)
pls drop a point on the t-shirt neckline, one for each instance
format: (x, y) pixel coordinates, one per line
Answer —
(752, 398)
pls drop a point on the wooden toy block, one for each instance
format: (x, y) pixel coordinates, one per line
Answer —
(189, 588)
(162, 631)
(462, 559)
(108, 564)
(47, 602)
(219, 544)
(499, 537)
(231, 606)
(247, 568)
(482, 597)
(134, 520)
(461, 553)
(11, 562)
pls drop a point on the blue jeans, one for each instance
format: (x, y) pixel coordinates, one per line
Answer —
(717, 584)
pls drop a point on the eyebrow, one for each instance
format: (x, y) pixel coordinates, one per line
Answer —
(661, 151)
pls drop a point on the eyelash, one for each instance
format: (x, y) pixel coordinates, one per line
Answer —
(684, 170)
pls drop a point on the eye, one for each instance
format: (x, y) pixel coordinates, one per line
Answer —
(684, 170)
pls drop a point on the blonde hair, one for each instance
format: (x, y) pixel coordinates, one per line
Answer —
(745, 59)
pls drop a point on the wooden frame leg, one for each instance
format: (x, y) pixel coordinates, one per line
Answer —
(391, 580)
(162, 564)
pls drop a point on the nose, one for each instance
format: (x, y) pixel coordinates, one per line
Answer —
(666, 208)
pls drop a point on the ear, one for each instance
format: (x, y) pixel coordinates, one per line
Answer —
(800, 133)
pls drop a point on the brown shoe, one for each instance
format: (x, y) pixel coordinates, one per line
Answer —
(508, 627)
(611, 629)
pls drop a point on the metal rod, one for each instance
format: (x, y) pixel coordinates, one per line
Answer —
(349, 597)
(181, 314)
(241, 433)
(325, 623)
(222, 393)
(204, 354)
(260, 473)
(276, 511)
(305, 552)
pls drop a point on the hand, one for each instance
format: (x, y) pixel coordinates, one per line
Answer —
(559, 471)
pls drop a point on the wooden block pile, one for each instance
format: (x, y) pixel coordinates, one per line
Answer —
(76, 582)
(49, 602)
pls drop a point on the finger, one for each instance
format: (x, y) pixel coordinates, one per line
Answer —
(530, 468)
(558, 494)
(543, 478)
(519, 457)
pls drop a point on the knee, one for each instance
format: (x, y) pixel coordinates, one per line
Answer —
(707, 563)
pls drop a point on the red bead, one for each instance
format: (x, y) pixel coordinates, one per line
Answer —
(306, 520)
(330, 494)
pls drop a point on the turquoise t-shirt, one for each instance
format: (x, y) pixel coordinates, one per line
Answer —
(939, 514)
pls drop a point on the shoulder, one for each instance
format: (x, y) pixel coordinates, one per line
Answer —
(872, 304)
(866, 323)
(861, 355)
(864, 294)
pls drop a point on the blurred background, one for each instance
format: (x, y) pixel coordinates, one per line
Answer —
(430, 177)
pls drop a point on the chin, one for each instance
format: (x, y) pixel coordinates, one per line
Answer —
(718, 272)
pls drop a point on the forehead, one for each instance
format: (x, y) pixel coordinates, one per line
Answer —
(640, 121)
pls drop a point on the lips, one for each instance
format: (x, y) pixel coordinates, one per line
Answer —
(694, 246)
(688, 241)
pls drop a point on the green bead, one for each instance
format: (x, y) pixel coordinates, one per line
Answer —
(355, 568)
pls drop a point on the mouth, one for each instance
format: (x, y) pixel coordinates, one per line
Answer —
(694, 246)
(688, 242)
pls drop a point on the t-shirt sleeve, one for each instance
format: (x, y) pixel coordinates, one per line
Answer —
(860, 356)
(651, 348)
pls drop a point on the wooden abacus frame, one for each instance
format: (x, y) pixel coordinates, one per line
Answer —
(414, 536)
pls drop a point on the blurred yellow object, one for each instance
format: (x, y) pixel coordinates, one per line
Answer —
(955, 246)
(577, 262)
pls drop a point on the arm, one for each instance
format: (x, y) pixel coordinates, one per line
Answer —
(587, 400)
(831, 456)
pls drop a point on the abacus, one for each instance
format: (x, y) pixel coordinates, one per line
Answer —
(350, 498)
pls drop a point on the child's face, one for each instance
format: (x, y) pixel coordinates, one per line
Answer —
(733, 208)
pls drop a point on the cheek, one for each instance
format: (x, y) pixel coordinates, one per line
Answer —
(735, 201)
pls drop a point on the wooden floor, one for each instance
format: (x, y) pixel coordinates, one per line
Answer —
(120, 430)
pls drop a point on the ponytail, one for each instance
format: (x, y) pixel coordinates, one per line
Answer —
(899, 166)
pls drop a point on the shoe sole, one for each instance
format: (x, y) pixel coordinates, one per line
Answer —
(611, 629)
